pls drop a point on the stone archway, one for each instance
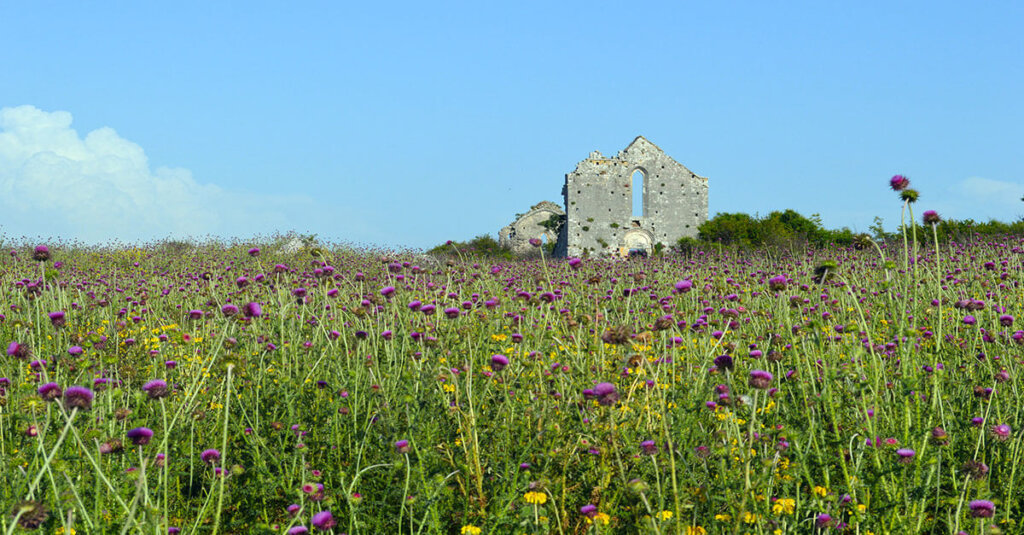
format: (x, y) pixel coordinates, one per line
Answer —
(637, 240)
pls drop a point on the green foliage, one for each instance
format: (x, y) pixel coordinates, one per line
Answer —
(778, 229)
(687, 245)
(554, 223)
(483, 246)
(967, 229)
(730, 228)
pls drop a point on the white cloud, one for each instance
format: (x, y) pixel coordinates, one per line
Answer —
(55, 183)
(982, 199)
(992, 192)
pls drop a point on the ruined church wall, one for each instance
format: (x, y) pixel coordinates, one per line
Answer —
(597, 196)
(599, 201)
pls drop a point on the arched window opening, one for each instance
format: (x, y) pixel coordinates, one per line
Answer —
(638, 193)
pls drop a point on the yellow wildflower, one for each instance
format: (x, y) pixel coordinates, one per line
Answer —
(602, 518)
(722, 517)
(750, 518)
(696, 530)
(819, 490)
(784, 506)
(470, 529)
(664, 515)
(861, 508)
(538, 498)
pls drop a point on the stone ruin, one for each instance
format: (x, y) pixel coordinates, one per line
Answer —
(541, 222)
(599, 218)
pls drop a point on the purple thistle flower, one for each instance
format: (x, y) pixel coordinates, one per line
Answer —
(75, 351)
(41, 253)
(970, 320)
(387, 291)
(1001, 432)
(157, 388)
(649, 447)
(209, 456)
(298, 530)
(535, 242)
(255, 251)
(931, 217)
(1006, 320)
(252, 310)
(589, 510)
(760, 379)
(575, 263)
(606, 394)
(195, 314)
(975, 469)
(777, 283)
(18, 351)
(402, 446)
(723, 362)
(111, 446)
(451, 312)
(982, 508)
(50, 391)
(899, 183)
(823, 520)
(906, 455)
(140, 436)
(323, 520)
(428, 310)
(498, 362)
(683, 286)
(58, 319)
(78, 397)
(229, 310)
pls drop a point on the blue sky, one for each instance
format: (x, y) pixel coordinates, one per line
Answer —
(407, 124)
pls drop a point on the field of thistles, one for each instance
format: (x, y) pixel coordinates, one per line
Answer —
(232, 390)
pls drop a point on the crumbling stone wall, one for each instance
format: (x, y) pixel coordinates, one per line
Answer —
(517, 235)
(599, 202)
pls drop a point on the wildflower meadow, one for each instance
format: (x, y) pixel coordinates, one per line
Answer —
(236, 388)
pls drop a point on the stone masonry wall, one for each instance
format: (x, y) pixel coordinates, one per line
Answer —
(599, 202)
